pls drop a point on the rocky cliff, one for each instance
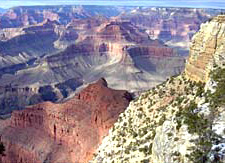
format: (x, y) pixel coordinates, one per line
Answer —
(16, 98)
(32, 15)
(207, 47)
(180, 120)
(50, 47)
(19, 45)
(104, 51)
(63, 132)
(175, 26)
(50, 55)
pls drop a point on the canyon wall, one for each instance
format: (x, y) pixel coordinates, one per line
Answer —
(63, 132)
(180, 120)
(16, 98)
(206, 46)
(32, 15)
(174, 26)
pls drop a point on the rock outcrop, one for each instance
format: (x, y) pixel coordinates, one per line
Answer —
(175, 26)
(16, 98)
(50, 47)
(110, 48)
(81, 51)
(32, 15)
(207, 46)
(180, 120)
(64, 132)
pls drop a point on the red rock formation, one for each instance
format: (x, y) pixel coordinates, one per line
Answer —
(32, 15)
(73, 129)
(121, 31)
(168, 23)
(87, 24)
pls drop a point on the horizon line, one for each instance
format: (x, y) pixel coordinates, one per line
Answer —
(166, 4)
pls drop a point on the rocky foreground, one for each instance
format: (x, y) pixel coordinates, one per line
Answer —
(180, 120)
(68, 132)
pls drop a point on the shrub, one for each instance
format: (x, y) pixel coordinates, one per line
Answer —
(218, 97)
(140, 115)
(170, 134)
(145, 161)
(200, 89)
(162, 119)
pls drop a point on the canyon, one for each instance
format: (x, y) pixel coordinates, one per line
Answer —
(68, 76)
(50, 52)
(63, 132)
(53, 58)
(180, 120)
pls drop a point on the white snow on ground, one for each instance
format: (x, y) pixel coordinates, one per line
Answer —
(220, 151)
(211, 85)
(203, 109)
(218, 127)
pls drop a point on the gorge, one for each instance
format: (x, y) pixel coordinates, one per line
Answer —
(50, 52)
(112, 86)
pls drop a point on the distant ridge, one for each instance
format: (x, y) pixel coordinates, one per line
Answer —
(157, 3)
(2, 10)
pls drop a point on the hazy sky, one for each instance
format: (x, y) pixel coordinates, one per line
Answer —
(169, 3)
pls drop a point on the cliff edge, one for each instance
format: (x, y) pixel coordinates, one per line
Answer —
(64, 132)
(182, 119)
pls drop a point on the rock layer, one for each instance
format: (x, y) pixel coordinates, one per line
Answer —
(180, 120)
(32, 15)
(206, 46)
(176, 26)
(65, 132)
(47, 47)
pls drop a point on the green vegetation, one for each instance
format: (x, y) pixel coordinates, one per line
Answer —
(218, 97)
(162, 120)
(143, 128)
(197, 124)
(179, 100)
(147, 150)
(170, 134)
(200, 89)
(172, 92)
(145, 161)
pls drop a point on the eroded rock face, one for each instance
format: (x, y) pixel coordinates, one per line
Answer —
(171, 122)
(32, 15)
(115, 50)
(16, 98)
(66, 132)
(207, 45)
(175, 26)
(111, 44)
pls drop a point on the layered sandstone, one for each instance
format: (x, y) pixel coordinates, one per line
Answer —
(56, 59)
(66, 132)
(206, 46)
(175, 26)
(180, 120)
(53, 56)
(19, 45)
(32, 15)
(113, 44)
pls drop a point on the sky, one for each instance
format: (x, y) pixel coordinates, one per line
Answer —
(164, 3)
